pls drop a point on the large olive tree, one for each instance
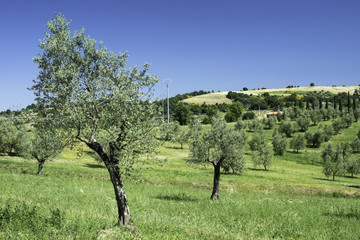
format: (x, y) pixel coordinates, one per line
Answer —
(86, 90)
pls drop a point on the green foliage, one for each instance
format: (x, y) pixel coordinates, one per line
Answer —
(327, 131)
(13, 138)
(262, 156)
(257, 141)
(91, 92)
(195, 130)
(315, 116)
(353, 166)
(303, 123)
(279, 144)
(248, 115)
(240, 125)
(30, 221)
(47, 143)
(347, 119)
(170, 131)
(255, 125)
(86, 91)
(337, 125)
(315, 138)
(182, 138)
(334, 164)
(210, 113)
(287, 127)
(326, 113)
(182, 113)
(355, 144)
(297, 142)
(269, 122)
(234, 112)
(220, 144)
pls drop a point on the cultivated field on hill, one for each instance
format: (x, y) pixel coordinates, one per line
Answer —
(220, 97)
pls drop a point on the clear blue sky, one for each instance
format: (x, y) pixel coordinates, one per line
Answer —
(200, 45)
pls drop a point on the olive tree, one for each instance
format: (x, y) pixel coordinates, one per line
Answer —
(334, 164)
(46, 144)
(87, 91)
(279, 144)
(220, 146)
(13, 138)
(263, 156)
(353, 166)
(297, 142)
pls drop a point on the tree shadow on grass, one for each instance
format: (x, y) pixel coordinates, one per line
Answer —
(351, 177)
(181, 197)
(258, 169)
(325, 179)
(89, 165)
(354, 186)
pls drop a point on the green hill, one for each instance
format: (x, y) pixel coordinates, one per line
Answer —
(220, 97)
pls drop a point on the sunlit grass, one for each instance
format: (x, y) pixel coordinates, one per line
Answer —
(170, 199)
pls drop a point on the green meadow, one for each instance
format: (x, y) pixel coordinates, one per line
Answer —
(170, 199)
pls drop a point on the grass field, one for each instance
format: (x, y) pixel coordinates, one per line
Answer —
(170, 199)
(220, 97)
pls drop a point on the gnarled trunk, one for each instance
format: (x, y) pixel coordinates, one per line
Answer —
(41, 166)
(124, 217)
(215, 193)
(112, 166)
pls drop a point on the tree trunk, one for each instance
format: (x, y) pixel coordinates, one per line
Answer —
(112, 166)
(215, 194)
(124, 217)
(41, 166)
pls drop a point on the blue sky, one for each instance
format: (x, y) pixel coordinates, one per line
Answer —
(199, 45)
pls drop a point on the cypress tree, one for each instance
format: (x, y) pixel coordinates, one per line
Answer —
(320, 103)
(327, 104)
(354, 103)
(349, 102)
(340, 105)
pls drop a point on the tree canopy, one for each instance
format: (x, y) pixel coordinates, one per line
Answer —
(87, 91)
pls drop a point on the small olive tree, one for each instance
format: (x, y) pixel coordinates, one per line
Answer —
(334, 164)
(297, 142)
(46, 144)
(279, 144)
(263, 156)
(221, 145)
(13, 138)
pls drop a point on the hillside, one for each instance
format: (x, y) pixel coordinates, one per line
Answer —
(220, 97)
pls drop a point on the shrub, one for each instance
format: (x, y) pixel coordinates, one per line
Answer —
(248, 116)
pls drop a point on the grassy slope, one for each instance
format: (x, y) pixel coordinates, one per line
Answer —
(220, 97)
(170, 199)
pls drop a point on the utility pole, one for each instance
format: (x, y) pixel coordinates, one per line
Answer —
(167, 83)
(163, 110)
